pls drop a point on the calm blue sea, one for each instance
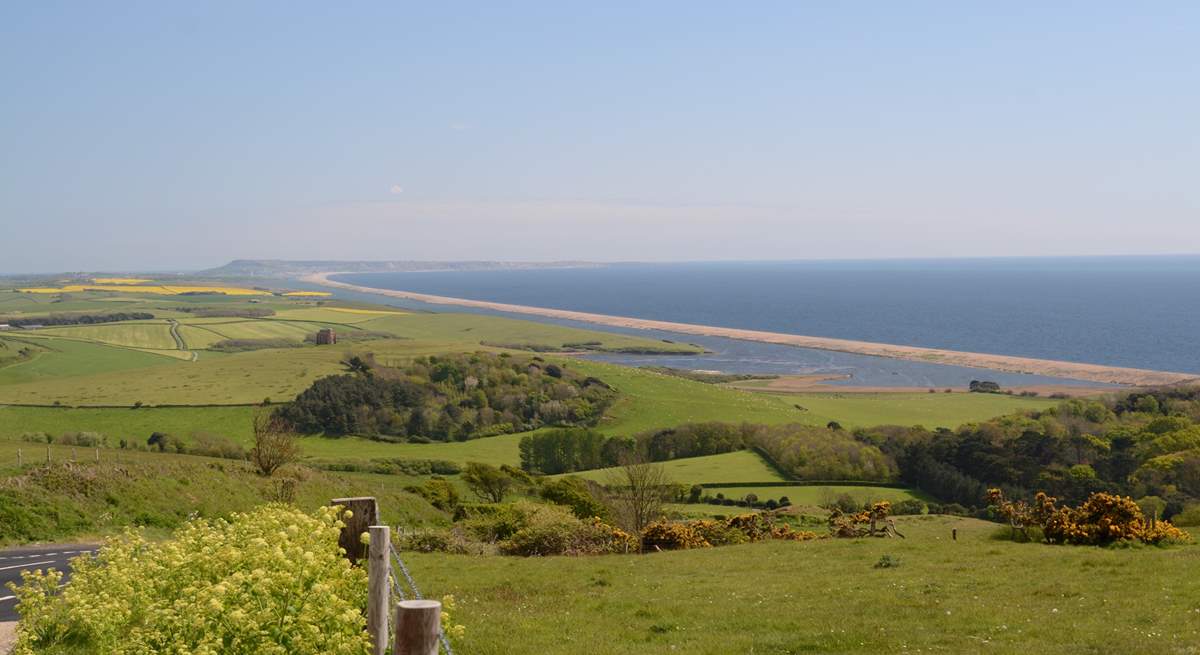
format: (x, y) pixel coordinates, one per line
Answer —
(1130, 311)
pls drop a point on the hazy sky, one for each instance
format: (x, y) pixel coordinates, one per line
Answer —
(177, 135)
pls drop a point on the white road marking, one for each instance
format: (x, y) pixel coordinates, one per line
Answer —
(18, 566)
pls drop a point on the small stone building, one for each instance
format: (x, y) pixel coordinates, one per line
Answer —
(326, 337)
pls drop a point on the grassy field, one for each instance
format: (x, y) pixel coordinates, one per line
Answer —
(56, 359)
(131, 334)
(929, 409)
(117, 423)
(974, 595)
(738, 466)
(476, 328)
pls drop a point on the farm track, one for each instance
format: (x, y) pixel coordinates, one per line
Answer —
(179, 343)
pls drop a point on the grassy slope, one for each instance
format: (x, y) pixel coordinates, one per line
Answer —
(972, 595)
(160, 491)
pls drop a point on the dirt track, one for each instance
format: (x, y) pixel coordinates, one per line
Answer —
(1047, 367)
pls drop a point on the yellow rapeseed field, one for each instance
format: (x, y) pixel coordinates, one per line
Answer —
(161, 290)
(320, 294)
(120, 280)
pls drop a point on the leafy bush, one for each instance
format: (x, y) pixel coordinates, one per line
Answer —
(575, 493)
(269, 581)
(439, 492)
(552, 531)
(887, 562)
(908, 506)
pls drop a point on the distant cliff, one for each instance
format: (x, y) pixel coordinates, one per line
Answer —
(282, 268)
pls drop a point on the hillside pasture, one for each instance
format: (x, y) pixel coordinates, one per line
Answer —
(56, 359)
(973, 595)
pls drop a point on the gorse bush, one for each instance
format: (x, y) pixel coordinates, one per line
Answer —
(271, 581)
(1100, 520)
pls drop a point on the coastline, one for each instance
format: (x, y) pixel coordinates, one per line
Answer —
(1007, 363)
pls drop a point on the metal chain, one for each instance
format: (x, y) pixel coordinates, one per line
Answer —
(417, 593)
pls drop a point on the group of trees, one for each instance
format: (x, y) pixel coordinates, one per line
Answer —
(449, 398)
(1140, 444)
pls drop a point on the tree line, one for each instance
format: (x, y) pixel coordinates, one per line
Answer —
(76, 319)
(802, 451)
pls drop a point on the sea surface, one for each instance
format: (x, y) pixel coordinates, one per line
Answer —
(1131, 311)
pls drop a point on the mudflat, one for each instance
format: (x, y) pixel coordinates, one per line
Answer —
(1009, 363)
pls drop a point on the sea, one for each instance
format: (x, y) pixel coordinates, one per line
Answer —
(1140, 312)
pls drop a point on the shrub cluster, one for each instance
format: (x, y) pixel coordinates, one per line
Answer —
(391, 466)
(246, 345)
(706, 533)
(270, 581)
(525, 529)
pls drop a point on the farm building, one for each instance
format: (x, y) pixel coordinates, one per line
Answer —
(5, 326)
(326, 337)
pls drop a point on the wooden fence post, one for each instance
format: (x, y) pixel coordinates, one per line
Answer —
(954, 534)
(418, 623)
(97, 455)
(47, 454)
(365, 513)
(379, 562)
(19, 463)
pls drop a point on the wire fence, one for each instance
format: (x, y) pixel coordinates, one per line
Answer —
(398, 589)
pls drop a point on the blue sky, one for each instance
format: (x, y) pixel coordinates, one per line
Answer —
(180, 135)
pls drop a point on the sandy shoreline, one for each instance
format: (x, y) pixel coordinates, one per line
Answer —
(1011, 364)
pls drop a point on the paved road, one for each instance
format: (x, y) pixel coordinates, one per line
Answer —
(15, 560)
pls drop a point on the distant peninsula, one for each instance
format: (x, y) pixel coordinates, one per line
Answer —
(1047, 367)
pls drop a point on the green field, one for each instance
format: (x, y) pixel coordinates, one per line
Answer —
(973, 595)
(929, 409)
(738, 466)
(131, 334)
